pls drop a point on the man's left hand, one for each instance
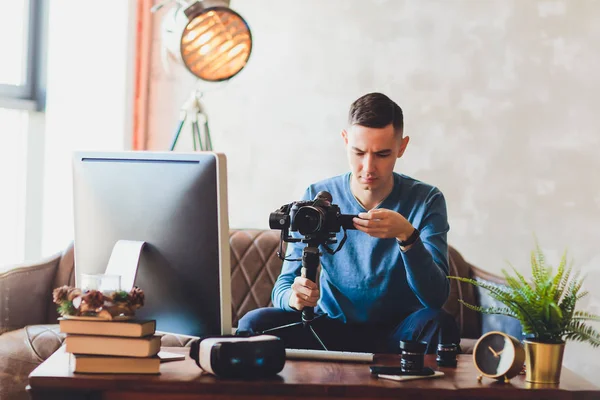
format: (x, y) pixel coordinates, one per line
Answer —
(383, 223)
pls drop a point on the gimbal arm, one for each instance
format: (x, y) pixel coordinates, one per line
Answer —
(310, 264)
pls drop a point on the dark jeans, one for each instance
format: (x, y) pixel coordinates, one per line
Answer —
(429, 325)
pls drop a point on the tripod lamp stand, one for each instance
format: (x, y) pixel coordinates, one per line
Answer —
(193, 110)
(214, 43)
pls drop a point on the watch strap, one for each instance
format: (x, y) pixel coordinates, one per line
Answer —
(411, 239)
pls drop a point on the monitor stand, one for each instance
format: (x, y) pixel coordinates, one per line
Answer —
(124, 261)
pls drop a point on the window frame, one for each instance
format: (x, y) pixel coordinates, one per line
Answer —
(31, 95)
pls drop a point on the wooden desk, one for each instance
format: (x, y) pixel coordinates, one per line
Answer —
(301, 380)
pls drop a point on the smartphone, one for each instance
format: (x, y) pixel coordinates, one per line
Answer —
(396, 370)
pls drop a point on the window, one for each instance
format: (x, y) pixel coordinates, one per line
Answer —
(22, 23)
(89, 108)
(13, 142)
(15, 49)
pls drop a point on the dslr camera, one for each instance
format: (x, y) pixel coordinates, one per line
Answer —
(317, 220)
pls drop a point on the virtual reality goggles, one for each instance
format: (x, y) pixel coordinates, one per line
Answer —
(239, 357)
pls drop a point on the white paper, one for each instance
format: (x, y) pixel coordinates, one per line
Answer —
(436, 374)
(168, 356)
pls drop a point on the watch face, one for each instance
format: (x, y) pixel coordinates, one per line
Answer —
(495, 354)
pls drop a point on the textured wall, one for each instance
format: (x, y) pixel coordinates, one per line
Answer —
(499, 98)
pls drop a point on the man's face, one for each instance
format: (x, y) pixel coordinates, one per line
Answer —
(372, 153)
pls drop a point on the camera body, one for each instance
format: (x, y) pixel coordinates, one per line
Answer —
(317, 221)
(311, 218)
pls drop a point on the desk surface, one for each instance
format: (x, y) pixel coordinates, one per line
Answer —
(183, 380)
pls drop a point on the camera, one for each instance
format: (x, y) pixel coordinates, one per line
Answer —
(311, 218)
(317, 221)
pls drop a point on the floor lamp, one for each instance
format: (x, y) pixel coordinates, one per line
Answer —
(214, 43)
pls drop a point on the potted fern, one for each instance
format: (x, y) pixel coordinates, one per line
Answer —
(545, 306)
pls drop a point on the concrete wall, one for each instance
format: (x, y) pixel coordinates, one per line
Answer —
(500, 99)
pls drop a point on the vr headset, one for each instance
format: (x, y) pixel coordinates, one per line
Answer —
(239, 357)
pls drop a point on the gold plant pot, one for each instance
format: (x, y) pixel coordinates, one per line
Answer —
(543, 362)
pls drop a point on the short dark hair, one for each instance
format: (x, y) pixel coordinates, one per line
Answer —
(376, 110)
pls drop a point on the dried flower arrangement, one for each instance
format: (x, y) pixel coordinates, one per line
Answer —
(74, 302)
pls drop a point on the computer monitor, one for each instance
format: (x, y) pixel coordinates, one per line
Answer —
(177, 204)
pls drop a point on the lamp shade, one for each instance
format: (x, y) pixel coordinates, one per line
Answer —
(215, 43)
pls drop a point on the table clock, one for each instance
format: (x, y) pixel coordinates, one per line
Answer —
(499, 356)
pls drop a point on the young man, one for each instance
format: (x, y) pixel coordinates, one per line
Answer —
(388, 282)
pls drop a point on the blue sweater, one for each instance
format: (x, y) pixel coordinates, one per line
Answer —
(371, 280)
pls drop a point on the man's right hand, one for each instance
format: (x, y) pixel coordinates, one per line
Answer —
(305, 293)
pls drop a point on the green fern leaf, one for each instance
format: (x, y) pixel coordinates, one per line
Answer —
(582, 315)
(524, 284)
(580, 332)
(500, 292)
(66, 308)
(535, 271)
(541, 259)
(490, 310)
(554, 292)
(564, 282)
(581, 295)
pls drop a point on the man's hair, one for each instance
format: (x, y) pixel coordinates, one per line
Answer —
(376, 110)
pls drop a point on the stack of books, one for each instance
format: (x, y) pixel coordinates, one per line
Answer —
(118, 347)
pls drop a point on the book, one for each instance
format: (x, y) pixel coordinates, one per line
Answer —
(134, 328)
(114, 365)
(113, 346)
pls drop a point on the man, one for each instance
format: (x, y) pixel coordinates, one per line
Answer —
(388, 282)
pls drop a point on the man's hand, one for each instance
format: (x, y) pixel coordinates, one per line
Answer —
(383, 223)
(305, 293)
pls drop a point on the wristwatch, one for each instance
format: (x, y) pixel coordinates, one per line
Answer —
(411, 239)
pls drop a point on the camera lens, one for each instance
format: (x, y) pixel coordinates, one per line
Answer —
(446, 355)
(309, 219)
(412, 355)
(278, 220)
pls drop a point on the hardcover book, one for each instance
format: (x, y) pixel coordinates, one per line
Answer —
(114, 365)
(113, 346)
(134, 328)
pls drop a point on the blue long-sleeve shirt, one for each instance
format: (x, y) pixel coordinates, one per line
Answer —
(371, 280)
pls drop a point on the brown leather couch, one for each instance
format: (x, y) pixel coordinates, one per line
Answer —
(29, 333)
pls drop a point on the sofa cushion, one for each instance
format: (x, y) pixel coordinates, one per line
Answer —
(170, 340)
(43, 340)
(467, 345)
(18, 359)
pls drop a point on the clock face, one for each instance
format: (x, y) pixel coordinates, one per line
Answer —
(494, 354)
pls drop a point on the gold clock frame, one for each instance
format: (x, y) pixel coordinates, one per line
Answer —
(516, 365)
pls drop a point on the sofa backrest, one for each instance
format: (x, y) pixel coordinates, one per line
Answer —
(64, 275)
(24, 293)
(469, 321)
(255, 267)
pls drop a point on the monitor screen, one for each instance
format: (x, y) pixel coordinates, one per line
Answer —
(177, 204)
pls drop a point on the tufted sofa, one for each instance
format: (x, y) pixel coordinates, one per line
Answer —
(29, 333)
